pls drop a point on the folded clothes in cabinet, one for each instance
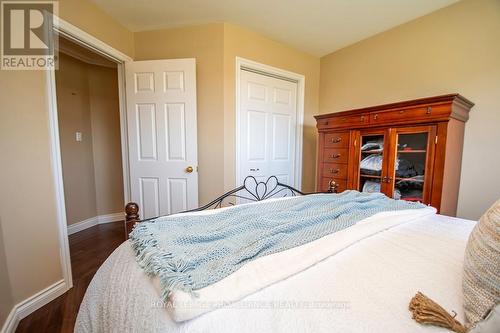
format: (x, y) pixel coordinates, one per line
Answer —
(416, 182)
(371, 186)
(372, 165)
(373, 146)
(407, 169)
(411, 188)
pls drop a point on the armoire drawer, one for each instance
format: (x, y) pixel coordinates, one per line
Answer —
(334, 170)
(343, 121)
(325, 184)
(405, 115)
(335, 155)
(336, 139)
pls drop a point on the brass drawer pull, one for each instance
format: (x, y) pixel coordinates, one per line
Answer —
(429, 110)
(375, 117)
(337, 140)
(332, 186)
(334, 171)
(334, 155)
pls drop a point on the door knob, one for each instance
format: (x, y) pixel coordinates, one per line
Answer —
(189, 169)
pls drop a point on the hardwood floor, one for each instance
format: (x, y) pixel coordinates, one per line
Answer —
(89, 249)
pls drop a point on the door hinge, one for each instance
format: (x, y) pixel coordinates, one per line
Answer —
(436, 140)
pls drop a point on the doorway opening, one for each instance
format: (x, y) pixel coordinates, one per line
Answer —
(89, 137)
(88, 114)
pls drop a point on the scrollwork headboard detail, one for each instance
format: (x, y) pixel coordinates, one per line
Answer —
(251, 190)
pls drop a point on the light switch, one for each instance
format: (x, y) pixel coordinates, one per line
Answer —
(78, 136)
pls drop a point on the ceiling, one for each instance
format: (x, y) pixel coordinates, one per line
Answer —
(317, 27)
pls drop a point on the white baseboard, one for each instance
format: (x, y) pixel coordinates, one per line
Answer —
(82, 225)
(111, 218)
(31, 304)
(11, 322)
(90, 222)
(50, 293)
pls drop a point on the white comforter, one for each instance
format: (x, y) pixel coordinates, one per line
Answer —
(364, 287)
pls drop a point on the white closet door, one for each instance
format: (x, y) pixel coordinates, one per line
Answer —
(162, 135)
(268, 117)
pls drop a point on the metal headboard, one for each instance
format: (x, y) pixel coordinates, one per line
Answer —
(251, 190)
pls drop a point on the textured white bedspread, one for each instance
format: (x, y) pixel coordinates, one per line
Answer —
(364, 288)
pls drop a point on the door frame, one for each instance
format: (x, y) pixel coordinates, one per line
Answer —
(263, 69)
(84, 39)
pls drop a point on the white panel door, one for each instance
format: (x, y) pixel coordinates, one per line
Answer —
(267, 127)
(161, 115)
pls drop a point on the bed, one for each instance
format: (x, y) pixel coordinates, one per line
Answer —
(363, 285)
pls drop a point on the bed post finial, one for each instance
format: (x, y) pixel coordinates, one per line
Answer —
(332, 186)
(131, 216)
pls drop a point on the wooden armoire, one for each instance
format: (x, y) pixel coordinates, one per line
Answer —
(408, 150)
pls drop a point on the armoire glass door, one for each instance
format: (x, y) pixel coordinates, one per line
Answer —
(413, 149)
(371, 161)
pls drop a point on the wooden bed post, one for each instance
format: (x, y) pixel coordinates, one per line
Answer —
(131, 216)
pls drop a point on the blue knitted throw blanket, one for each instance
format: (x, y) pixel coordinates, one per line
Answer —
(189, 252)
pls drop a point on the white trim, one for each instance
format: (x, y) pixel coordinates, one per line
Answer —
(31, 304)
(93, 221)
(86, 59)
(300, 79)
(40, 299)
(82, 225)
(81, 37)
(108, 218)
(124, 132)
(10, 324)
(55, 152)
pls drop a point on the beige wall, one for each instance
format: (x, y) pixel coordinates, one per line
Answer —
(27, 199)
(85, 15)
(87, 101)
(239, 42)
(73, 111)
(205, 43)
(456, 49)
(6, 302)
(106, 139)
